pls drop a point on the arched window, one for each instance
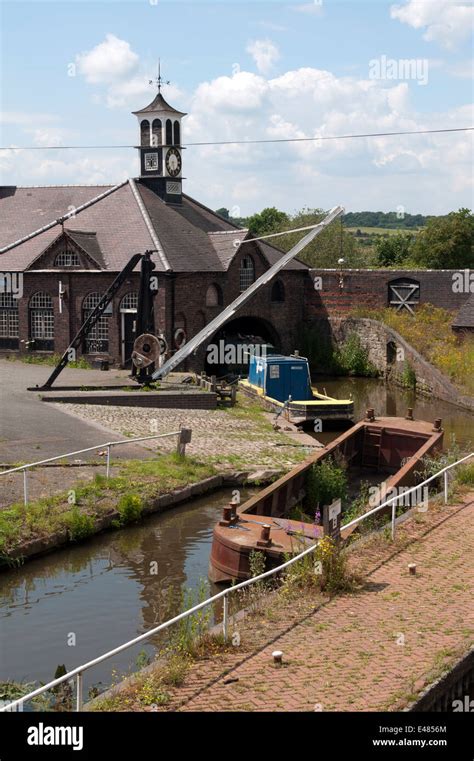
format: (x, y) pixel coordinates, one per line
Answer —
(97, 340)
(8, 321)
(404, 293)
(67, 259)
(214, 296)
(278, 291)
(145, 132)
(41, 321)
(176, 133)
(156, 138)
(169, 132)
(246, 273)
(129, 302)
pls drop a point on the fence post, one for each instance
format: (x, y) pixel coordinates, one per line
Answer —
(445, 487)
(225, 617)
(394, 512)
(25, 487)
(184, 437)
(79, 691)
(108, 462)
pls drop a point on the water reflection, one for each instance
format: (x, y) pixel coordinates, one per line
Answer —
(105, 592)
(391, 400)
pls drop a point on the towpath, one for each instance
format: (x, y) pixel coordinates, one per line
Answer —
(374, 650)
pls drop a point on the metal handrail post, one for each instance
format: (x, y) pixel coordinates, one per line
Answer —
(79, 688)
(225, 617)
(25, 487)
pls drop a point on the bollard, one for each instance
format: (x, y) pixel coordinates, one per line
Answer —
(233, 511)
(409, 415)
(226, 515)
(370, 414)
(412, 569)
(264, 540)
(277, 656)
(437, 425)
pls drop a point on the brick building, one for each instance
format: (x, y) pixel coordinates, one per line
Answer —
(68, 243)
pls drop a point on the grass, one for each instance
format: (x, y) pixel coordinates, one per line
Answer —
(49, 359)
(136, 483)
(429, 332)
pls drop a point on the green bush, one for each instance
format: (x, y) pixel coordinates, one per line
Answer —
(325, 482)
(79, 524)
(353, 359)
(408, 377)
(130, 508)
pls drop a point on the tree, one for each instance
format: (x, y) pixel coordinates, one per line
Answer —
(223, 212)
(268, 221)
(446, 242)
(394, 250)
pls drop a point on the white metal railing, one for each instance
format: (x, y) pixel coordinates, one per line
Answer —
(78, 672)
(108, 446)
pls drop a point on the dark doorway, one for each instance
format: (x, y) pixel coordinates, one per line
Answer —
(129, 320)
(232, 344)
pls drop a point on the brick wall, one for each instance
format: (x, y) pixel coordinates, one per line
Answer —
(341, 292)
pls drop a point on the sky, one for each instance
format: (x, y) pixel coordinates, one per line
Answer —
(72, 72)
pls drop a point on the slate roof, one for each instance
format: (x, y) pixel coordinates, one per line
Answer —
(159, 104)
(465, 316)
(113, 222)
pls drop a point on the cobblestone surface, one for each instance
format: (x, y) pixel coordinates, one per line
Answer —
(373, 650)
(216, 433)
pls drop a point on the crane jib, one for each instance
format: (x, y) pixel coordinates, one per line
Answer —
(229, 311)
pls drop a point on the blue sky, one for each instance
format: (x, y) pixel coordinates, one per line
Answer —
(245, 70)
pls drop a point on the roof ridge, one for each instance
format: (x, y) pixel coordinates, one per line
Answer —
(149, 224)
(70, 214)
(229, 232)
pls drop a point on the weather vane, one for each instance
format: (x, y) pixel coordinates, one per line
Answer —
(159, 80)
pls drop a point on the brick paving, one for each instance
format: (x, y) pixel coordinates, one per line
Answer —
(372, 650)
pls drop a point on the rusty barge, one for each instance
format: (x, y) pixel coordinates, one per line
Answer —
(392, 447)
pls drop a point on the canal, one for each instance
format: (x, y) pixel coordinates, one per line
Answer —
(104, 592)
(72, 605)
(394, 401)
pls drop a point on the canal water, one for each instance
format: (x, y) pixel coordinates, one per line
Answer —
(104, 592)
(392, 400)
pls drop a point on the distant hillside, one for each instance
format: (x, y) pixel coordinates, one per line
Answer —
(384, 220)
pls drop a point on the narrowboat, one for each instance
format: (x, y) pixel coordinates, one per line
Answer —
(386, 451)
(284, 385)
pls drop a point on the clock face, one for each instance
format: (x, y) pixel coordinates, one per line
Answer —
(151, 162)
(173, 162)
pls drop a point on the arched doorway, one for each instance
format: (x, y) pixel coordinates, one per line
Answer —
(228, 352)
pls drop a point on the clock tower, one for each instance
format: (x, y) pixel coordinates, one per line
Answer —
(160, 147)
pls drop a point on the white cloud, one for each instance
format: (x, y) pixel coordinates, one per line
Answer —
(314, 9)
(110, 61)
(265, 54)
(25, 118)
(461, 70)
(447, 22)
